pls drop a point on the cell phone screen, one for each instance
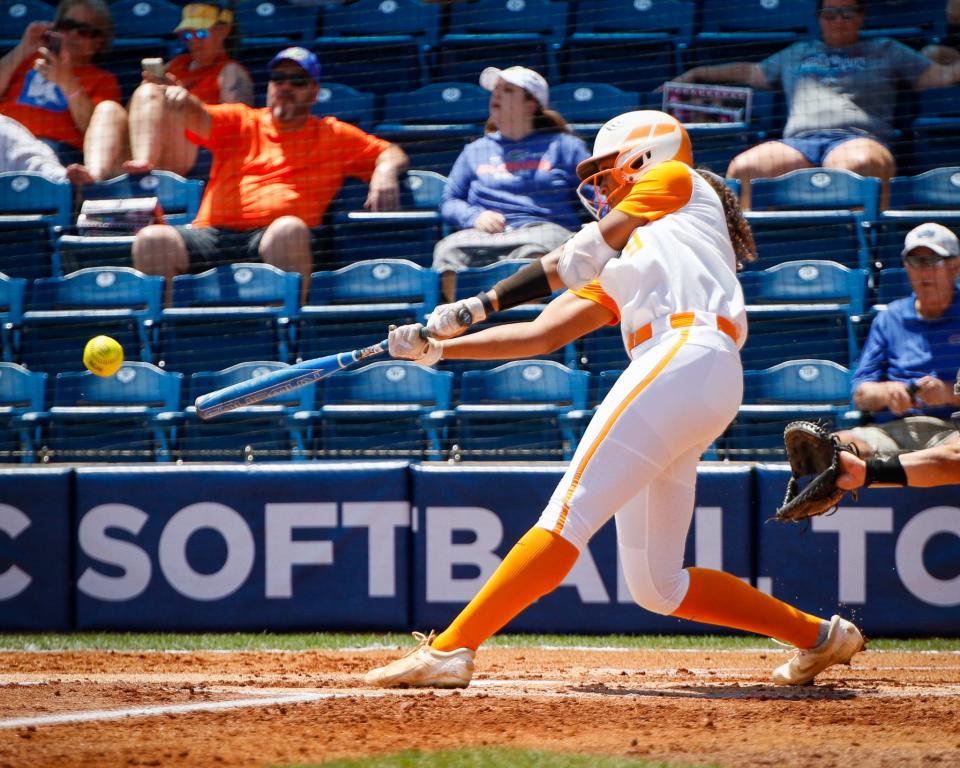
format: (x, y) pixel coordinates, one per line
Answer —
(53, 42)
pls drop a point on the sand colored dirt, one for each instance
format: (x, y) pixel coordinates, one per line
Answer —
(888, 709)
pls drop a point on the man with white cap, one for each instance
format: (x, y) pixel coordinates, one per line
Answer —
(909, 362)
(511, 193)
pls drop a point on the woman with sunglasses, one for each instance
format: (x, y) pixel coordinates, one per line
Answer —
(54, 92)
(148, 134)
(841, 92)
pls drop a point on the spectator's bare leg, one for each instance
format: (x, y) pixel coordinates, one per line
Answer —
(159, 250)
(941, 54)
(105, 144)
(764, 161)
(157, 138)
(286, 245)
(865, 157)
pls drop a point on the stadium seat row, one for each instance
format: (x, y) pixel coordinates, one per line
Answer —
(526, 410)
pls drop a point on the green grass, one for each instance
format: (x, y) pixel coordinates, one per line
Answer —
(495, 758)
(126, 641)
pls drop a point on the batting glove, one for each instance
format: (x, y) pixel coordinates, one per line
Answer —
(407, 343)
(445, 322)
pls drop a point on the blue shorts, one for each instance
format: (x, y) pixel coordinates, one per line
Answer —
(816, 145)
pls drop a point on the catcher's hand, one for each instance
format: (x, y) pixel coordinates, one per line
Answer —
(811, 451)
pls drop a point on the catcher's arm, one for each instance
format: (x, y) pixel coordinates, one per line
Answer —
(918, 469)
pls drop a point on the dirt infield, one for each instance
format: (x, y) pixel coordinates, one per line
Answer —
(255, 708)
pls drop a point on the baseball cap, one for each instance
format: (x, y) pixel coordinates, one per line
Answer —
(307, 60)
(203, 16)
(936, 237)
(532, 82)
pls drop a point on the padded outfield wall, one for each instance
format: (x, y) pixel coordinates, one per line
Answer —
(396, 546)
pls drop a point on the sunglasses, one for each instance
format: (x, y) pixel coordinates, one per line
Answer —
(194, 34)
(832, 14)
(919, 262)
(81, 28)
(297, 81)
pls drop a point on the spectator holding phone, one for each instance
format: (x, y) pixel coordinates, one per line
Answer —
(906, 370)
(148, 134)
(48, 82)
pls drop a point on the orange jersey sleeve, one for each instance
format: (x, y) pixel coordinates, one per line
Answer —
(664, 189)
(592, 291)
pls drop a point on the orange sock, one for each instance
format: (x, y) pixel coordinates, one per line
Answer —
(535, 566)
(715, 597)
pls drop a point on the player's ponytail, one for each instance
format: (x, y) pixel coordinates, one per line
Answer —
(741, 236)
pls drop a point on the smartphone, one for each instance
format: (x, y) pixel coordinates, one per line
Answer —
(53, 42)
(154, 68)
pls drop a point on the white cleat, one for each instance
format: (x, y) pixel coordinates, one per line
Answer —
(425, 667)
(843, 642)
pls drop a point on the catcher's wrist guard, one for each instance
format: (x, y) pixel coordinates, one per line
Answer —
(887, 470)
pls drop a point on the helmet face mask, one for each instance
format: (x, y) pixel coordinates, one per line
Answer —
(626, 148)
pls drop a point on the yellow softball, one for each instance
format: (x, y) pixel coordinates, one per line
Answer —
(103, 356)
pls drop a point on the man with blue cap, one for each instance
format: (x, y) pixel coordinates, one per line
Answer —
(275, 171)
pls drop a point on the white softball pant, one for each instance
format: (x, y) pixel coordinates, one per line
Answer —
(638, 458)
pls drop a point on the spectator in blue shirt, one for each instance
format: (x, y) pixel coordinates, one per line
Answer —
(840, 91)
(907, 368)
(511, 193)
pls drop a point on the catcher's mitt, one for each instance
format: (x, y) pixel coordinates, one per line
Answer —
(812, 451)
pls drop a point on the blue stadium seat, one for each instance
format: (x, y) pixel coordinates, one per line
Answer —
(346, 104)
(807, 281)
(16, 16)
(892, 284)
(409, 233)
(435, 122)
(12, 292)
(144, 28)
(751, 32)
(353, 306)
(263, 431)
(913, 22)
(518, 411)
(379, 46)
(389, 409)
(179, 198)
(633, 46)
(588, 105)
(813, 213)
(501, 33)
(33, 213)
(811, 389)
(115, 418)
(935, 128)
(931, 196)
(602, 350)
(64, 312)
(231, 314)
(21, 391)
(266, 27)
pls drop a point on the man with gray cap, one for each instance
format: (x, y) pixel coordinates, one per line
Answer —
(904, 380)
(511, 193)
(275, 172)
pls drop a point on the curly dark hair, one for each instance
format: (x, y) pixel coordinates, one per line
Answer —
(741, 236)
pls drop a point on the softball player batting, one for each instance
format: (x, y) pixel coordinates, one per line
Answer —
(661, 260)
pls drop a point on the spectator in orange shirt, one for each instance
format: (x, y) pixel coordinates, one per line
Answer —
(275, 172)
(54, 94)
(157, 135)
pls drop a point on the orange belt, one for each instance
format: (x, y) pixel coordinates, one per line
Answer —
(684, 320)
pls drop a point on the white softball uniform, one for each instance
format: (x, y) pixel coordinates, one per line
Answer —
(682, 316)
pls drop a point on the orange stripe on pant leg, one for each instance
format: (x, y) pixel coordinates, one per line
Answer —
(565, 509)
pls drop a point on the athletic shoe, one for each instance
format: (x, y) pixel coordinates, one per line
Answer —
(425, 667)
(843, 641)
